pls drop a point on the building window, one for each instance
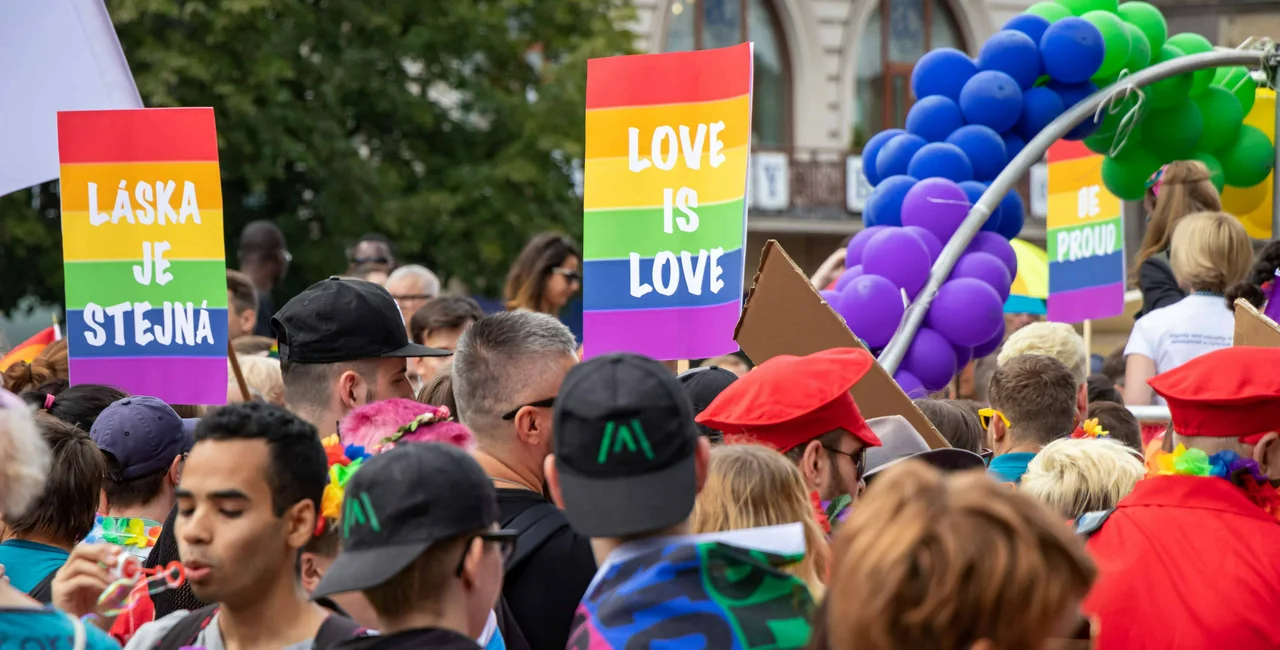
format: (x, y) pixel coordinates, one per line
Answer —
(707, 24)
(889, 49)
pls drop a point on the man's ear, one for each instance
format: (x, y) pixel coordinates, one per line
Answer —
(300, 523)
(702, 460)
(248, 320)
(311, 571)
(811, 464)
(998, 430)
(175, 471)
(529, 427)
(351, 389)
(1267, 454)
(104, 507)
(1082, 404)
(553, 479)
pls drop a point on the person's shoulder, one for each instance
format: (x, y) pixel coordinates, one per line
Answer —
(150, 634)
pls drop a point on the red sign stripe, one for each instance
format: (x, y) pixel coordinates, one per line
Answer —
(671, 78)
(137, 135)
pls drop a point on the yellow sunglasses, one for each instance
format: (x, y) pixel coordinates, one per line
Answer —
(986, 415)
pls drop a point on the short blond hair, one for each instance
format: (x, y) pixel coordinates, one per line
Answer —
(1075, 476)
(261, 374)
(1057, 340)
(1210, 251)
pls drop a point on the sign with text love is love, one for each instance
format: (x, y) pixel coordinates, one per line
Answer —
(1084, 237)
(143, 254)
(664, 225)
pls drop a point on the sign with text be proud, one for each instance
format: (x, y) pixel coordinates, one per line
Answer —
(668, 137)
(143, 254)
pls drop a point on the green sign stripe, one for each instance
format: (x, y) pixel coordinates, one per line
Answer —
(1095, 228)
(111, 283)
(615, 234)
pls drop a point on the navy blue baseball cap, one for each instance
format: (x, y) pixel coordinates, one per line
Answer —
(143, 434)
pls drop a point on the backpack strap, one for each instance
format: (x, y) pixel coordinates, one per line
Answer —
(188, 629)
(535, 526)
(1091, 522)
(335, 630)
(43, 591)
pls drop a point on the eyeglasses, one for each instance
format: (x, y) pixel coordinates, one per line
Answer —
(986, 415)
(504, 538)
(413, 296)
(540, 404)
(569, 276)
(371, 260)
(859, 458)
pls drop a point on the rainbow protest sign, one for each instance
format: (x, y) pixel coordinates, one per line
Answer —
(143, 254)
(1085, 238)
(664, 226)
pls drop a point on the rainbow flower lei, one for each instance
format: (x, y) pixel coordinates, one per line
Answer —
(1092, 429)
(1228, 465)
(343, 463)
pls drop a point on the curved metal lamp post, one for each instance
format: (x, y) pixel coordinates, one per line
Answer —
(1032, 153)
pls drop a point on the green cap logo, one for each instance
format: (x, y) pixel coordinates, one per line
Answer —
(623, 434)
(360, 512)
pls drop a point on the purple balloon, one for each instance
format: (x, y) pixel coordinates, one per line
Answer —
(966, 311)
(929, 240)
(848, 276)
(983, 349)
(937, 205)
(832, 297)
(985, 267)
(963, 356)
(872, 308)
(931, 359)
(853, 254)
(910, 385)
(995, 244)
(898, 256)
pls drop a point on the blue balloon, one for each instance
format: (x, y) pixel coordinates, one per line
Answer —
(984, 147)
(934, 118)
(1013, 144)
(1072, 50)
(939, 159)
(942, 72)
(872, 149)
(1029, 24)
(1013, 53)
(884, 206)
(895, 155)
(1012, 215)
(1040, 106)
(993, 99)
(1071, 95)
(974, 190)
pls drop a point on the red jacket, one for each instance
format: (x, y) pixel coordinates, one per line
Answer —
(1189, 563)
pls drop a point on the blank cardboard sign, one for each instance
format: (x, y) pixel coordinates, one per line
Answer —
(1254, 329)
(784, 314)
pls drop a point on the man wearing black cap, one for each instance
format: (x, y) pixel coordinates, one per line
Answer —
(420, 538)
(703, 385)
(627, 467)
(144, 442)
(343, 345)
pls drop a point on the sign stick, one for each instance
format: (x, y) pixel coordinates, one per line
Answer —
(235, 367)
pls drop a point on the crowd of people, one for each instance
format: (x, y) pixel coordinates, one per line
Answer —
(395, 468)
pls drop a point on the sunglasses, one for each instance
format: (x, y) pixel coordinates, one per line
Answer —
(413, 296)
(372, 260)
(859, 459)
(985, 416)
(540, 404)
(504, 538)
(569, 276)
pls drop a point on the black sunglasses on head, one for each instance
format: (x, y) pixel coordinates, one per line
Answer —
(504, 538)
(542, 403)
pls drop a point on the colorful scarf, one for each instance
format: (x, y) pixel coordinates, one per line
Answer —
(1242, 472)
(695, 595)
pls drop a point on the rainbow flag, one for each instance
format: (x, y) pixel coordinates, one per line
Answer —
(1084, 236)
(1031, 284)
(664, 225)
(29, 349)
(143, 252)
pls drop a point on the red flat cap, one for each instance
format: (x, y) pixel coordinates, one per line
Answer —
(788, 401)
(1229, 393)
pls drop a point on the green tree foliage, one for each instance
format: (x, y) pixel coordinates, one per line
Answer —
(447, 125)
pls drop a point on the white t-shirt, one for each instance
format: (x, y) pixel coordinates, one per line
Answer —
(1174, 335)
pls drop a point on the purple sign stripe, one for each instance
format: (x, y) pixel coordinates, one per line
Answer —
(176, 380)
(686, 333)
(1092, 303)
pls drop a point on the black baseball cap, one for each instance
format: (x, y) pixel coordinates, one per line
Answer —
(143, 434)
(398, 505)
(625, 447)
(702, 385)
(343, 319)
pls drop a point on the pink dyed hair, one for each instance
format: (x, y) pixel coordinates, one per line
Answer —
(372, 423)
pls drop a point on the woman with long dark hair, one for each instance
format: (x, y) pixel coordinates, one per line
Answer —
(545, 276)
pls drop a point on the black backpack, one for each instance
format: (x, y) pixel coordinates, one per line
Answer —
(43, 591)
(334, 630)
(535, 525)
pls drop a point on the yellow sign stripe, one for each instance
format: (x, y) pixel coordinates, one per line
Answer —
(611, 184)
(1071, 175)
(1068, 204)
(607, 129)
(75, 181)
(82, 242)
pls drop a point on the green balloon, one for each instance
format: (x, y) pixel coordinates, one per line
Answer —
(1147, 18)
(1249, 159)
(1108, 133)
(1115, 39)
(1239, 82)
(1082, 7)
(1050, 11)
(1139, 49)
(1215, 168)
(1171, 133)
(1126, 175)
(1191, 43)
(1173, 90)
(1222, 118)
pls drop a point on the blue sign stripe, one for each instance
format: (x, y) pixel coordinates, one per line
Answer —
(79, 333)
(1087, 272)
(608, 283)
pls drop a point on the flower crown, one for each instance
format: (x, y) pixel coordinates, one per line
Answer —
(1092, 429)
(435, 416)
(343, 463)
